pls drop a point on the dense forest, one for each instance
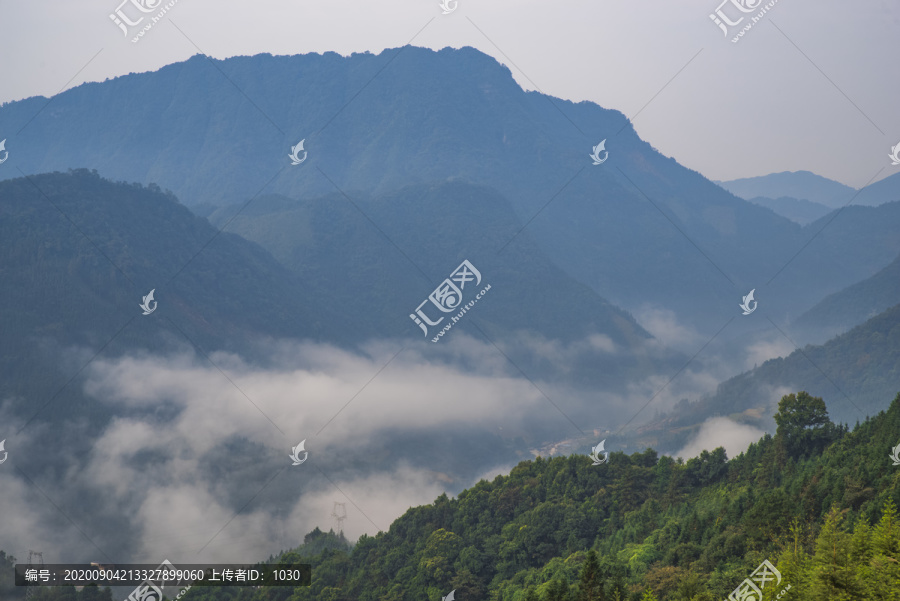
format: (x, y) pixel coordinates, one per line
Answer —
(817, 500)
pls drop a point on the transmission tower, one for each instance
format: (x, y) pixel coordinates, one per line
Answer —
(339, 513)
(30, 591)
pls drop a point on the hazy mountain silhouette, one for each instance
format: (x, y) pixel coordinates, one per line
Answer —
(882, 191)
(640, 229)
(802, 185)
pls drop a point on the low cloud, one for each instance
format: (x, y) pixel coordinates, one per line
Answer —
(721, 432)
(663, 325)
(195, 456)
(762, 350)
(192, 462)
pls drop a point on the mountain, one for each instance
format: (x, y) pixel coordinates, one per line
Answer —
(425, 231)
(853, 305)
(640, 229)
(79, 253)
(802, 185)
(801, 211)
(882, 191)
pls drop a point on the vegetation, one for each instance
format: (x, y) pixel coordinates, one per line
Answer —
(818, 500)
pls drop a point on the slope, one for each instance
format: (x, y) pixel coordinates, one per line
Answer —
(691, 530)
(379, 257)
(801, 211)
(882, 191)
(854, 304)
(78, 255)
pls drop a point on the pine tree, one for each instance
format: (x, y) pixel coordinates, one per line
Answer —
(590, 587)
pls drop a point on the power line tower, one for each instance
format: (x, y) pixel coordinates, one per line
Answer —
(30, 591)
(339, 513)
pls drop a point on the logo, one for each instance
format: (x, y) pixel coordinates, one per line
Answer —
(751, 588)
(295, 453)
(746, 304)
(143, 8)
(146, 304)
(295, 159)
(895, 153)
(448, 296)
(6, 153)
(745, 6)
(740, 6)
(449, 597)
(596, 451)
(3, 450)
(448, 7)
(601, 147)
(895, 454)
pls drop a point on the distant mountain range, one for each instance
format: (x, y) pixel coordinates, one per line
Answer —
(804, 185)
(640, 229)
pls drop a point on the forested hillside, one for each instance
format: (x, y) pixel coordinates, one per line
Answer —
(817, 500)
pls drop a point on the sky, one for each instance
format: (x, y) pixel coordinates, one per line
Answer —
(811, 86)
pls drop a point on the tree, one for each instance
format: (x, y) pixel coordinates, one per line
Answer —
(832, 576)
(803, 425)
(558, 590)
(590, 587)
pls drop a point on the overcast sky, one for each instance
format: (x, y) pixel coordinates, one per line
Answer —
(812, 86)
